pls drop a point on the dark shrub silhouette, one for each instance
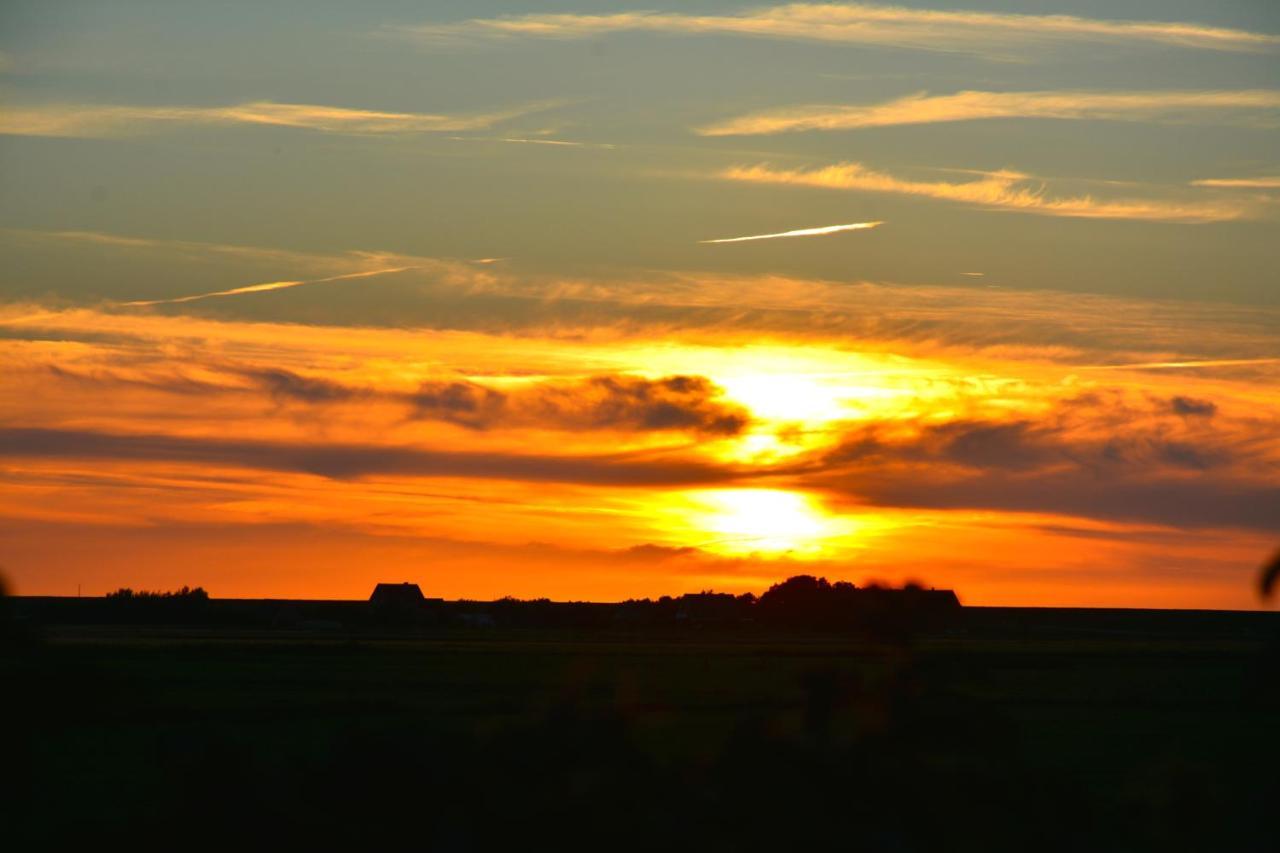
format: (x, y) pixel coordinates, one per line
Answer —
(143, 606)
(184, 594)
(807, 602)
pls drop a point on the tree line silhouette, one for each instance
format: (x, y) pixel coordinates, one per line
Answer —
(800, 603)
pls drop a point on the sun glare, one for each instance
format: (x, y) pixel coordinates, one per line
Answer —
(785, 397)
(771, 521)
(791, 383)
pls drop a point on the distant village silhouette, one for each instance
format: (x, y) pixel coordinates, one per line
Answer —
(803, 602)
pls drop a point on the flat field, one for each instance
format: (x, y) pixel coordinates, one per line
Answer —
(1021, 730)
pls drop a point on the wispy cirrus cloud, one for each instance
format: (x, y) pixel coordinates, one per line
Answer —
(922, 108)
(190, 248)
(1003, 190)
(308, 267)
(800, 232)
(466, 297)
(98, 120)
(1185, 365)
(1259, 183)
(348, 461)
(858, 23)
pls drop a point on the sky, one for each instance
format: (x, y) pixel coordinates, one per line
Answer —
(596, 301)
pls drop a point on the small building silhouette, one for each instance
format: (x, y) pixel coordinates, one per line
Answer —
(940, 599)
(399, 595)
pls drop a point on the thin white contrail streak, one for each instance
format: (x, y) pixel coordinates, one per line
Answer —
(800, 232)
(568, 143)
(259, 288)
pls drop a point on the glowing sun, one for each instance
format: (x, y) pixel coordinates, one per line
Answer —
(740, 521)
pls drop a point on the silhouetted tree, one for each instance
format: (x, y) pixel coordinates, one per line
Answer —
(184, 594)
(183, 605)
(882, 612)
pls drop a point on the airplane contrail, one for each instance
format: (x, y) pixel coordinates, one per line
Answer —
(259, 288)
(800, 232)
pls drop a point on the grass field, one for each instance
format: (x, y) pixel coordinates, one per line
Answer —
(1016, 733)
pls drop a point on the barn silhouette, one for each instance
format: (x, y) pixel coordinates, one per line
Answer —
(397, 595)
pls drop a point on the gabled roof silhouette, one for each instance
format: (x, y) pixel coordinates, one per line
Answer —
(397, 593)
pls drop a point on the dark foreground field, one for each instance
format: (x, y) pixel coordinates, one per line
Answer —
(1014, 730)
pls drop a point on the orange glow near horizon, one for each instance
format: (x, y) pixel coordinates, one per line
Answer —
(604, 467)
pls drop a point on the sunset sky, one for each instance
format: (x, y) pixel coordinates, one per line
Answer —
(591, 300)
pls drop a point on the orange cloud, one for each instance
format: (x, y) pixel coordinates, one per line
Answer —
(1003, 190)
(970, 106)
(1259, 183)
(96, 120)
(1104, 454)
(857, 23)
